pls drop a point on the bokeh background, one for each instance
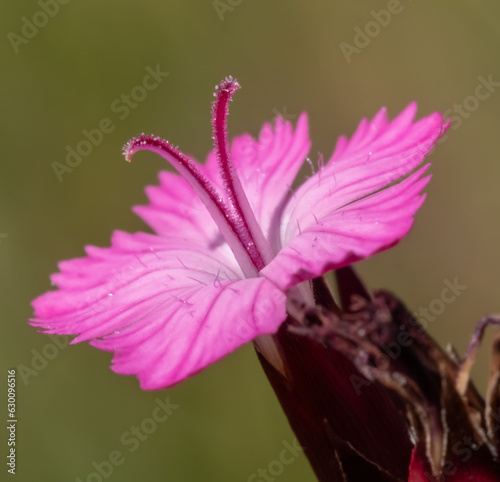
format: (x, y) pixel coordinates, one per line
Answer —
(287, 57)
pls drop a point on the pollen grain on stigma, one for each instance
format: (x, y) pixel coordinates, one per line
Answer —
(235, 218)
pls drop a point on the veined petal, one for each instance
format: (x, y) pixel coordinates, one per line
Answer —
(166, 307)
(176, 209)
(348, 234)
(379, 154)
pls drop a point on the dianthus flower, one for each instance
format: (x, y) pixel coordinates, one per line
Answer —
(217, 273)
(239, 254)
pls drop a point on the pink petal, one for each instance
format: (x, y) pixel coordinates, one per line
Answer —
(379, 154)
(166, 307)
(329, 222)
(348, 234)
(175, 208)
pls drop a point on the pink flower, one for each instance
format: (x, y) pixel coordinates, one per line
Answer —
(221, 272)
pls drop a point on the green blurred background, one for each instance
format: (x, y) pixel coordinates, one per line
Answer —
(287, 57)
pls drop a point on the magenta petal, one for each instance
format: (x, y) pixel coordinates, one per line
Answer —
(349, 234)
(382, 154)
(334, 218)
(166, 311)
(175, 208)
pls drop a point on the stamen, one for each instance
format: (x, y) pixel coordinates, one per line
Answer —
(248, 228)
(223, 217)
